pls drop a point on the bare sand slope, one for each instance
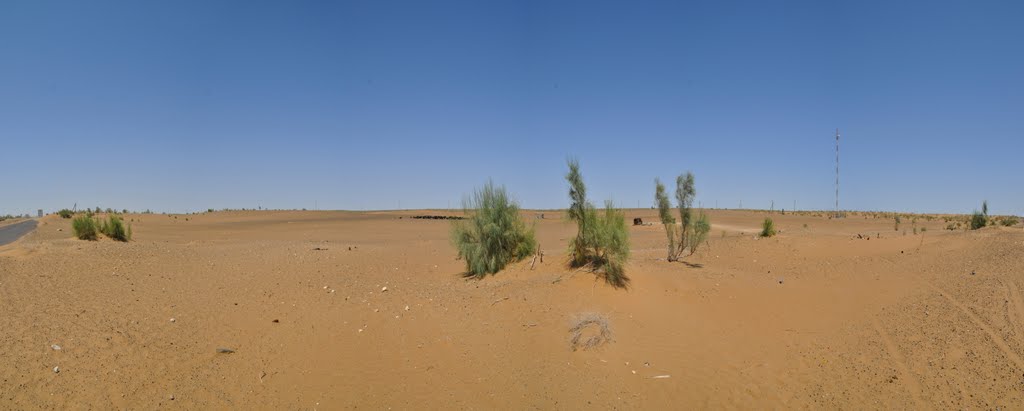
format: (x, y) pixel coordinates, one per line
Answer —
(812, 318)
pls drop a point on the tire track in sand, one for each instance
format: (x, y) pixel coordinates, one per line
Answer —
(901, 365)
(999, 342)
(1018, 309)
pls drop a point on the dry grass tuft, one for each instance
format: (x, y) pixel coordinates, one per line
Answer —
(588, 331)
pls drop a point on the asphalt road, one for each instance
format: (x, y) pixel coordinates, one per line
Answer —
(9, 233)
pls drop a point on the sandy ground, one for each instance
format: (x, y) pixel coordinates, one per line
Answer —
(812, 318)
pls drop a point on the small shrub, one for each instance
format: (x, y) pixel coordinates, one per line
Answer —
(1008, 221)
(897, 223)
(923, 229)
(602, 241)
(701, 228)
(767, 227)
(65, 213)
(115, 228)
(85, 228)
(494, 235)
(977, 220)
(692, 232)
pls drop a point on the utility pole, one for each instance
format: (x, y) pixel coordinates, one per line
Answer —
(837, 173)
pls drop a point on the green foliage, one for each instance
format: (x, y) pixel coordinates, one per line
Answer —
(686, 191)
(665, 212)
(978, 220)
(85, 228)
(984, 208)
(611, 248)
(602, 239)
(115, 228)
(701, 228)
(897, 223)
(768, 227)
(692, 232)
(1009, 221)
(494, 235)
(65, 213)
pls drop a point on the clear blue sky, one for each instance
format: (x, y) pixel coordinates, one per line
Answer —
(188, 105)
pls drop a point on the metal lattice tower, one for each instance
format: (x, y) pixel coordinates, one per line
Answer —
(837, 173)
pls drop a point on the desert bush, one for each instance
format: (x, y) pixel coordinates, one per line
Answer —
(1009, 221)
(65, 213)
(984, 208)
(85, 228)
(977, 220)
(602, 239)
(115, 228)
(923, 229)
(767, 227)
(691, 232)
(897, 223)
(701, 227)
(494, 235)
(665, 213)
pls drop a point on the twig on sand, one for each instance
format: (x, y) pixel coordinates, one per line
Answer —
(499, 300)
(658, 377)
(540, 254)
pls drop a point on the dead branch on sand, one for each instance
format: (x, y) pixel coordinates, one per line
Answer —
(593, 324)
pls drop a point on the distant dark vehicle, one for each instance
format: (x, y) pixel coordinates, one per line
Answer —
(638, 221)
(438, 217)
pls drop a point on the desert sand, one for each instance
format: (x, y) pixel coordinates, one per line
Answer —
(812, 318)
